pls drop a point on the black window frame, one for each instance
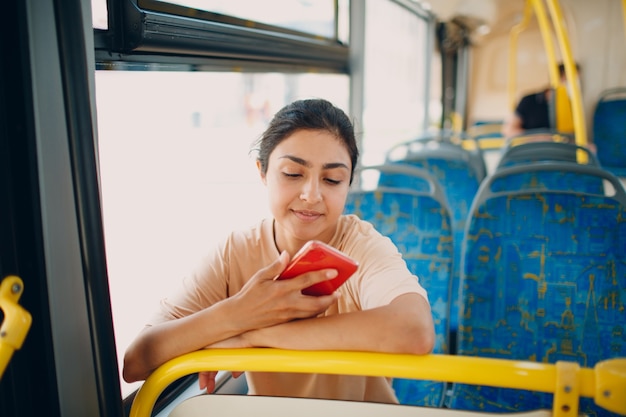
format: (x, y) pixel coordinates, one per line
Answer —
(159, 32)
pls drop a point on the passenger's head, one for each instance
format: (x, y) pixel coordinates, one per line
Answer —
(562, 72)
(310, 114)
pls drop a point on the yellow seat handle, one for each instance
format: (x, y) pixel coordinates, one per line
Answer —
(611, 385)
(16, 321)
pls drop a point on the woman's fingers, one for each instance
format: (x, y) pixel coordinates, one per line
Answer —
(206, 380)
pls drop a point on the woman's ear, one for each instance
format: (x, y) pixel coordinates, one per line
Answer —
(261, 173)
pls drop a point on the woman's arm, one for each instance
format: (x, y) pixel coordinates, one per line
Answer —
(403, 326)
(261, 302)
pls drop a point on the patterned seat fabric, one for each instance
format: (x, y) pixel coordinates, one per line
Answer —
(566, 180)
(544, 279)
(545, 151)
(609, 130)
(420, 226)
(460, 184)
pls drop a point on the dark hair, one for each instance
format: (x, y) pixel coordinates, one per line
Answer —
(562, 69)
(310, 114)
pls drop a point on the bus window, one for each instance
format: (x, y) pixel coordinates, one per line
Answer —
(99, 14)
(395, 87)
(177, 174)
(317, 18)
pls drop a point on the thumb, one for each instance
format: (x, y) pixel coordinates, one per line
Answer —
(275, 268)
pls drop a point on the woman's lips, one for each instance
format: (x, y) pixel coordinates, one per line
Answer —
(307, 215)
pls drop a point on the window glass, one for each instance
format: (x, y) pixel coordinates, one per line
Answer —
(99, 14)
(314, 17)
(177, 174)
(395, 78)
(435, 109)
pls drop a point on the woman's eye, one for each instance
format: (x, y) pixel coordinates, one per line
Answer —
(290, 175)
(333, 182)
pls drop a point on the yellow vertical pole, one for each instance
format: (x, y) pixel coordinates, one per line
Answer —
(513, 42)
(580, 130)
(624, 12)
(546, 34)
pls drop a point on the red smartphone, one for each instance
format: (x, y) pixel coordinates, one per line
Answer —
(316, 255)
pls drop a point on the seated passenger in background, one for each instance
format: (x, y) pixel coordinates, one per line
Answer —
(532, 111)
(306, 159)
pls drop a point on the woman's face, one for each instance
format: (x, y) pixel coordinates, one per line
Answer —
(308, 178)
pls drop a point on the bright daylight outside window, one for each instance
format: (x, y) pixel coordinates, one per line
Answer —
(395, 50)
(317, 18)
(177, 174)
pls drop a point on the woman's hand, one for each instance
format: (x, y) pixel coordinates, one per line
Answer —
(262, 302)
(206, 379)
(265, 301)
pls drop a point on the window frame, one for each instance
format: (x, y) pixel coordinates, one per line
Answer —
(157, 32)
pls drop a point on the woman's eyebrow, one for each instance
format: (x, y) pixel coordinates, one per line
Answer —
(297, 160)
(333, 165)
(300, 161)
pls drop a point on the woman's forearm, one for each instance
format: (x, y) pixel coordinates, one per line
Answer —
(404, 326)
(156, 345)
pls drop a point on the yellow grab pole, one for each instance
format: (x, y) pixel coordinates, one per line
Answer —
(605, 382)
(580, 130)
(624, 12)
(513, 42)
(548, 42)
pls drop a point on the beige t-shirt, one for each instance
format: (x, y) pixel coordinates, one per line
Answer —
(381, 277)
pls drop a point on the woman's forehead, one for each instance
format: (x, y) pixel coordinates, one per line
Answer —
(313, 146)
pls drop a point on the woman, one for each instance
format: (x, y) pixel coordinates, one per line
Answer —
(306, 159)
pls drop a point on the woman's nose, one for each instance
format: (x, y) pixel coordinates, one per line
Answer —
(311, 192)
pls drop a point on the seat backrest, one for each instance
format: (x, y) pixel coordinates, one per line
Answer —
(543, 279)
(456, 170)
(442, 144)
(569, 179)
(544, 151)
(609, 128)
(398, 176)
(540, 135)
(419, 223)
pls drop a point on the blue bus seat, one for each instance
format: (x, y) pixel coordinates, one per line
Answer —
(544, 151)
(547, 152)
(549, 178)
(403, 176)
(543, 279)
(419, 224)
(486, 130)
(459, 173)
(446, 144)
(609, 130)
(539, 135)
(497, 122)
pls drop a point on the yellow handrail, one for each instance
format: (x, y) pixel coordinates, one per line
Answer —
(569, 114)
(580, 130)
(546, 34)
(624, 14)
(606, 382)
(513, 41)
(555, 80)
(548, 42)
(16, 321)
